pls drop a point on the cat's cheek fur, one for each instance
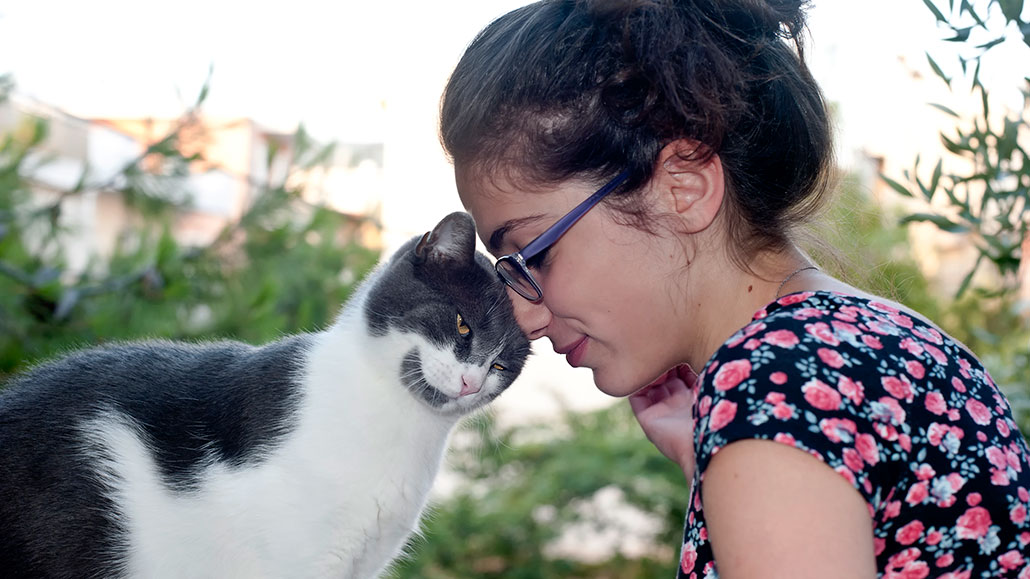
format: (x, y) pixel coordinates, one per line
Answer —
(432, 374)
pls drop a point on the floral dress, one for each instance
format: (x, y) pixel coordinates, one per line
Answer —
(905, 414)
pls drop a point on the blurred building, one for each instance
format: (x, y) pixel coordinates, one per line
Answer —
(233, 161)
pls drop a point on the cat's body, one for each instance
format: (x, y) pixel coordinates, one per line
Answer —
(308, 457)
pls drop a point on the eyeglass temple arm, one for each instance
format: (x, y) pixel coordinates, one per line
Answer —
(562, 225)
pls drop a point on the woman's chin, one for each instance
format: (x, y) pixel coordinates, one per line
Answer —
(617, 385)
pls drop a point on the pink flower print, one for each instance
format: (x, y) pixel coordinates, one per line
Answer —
(823, 333)
(915, 369)
(723, 413)
(1003, 427)
(929, 334)
(901, 320)
(944, 560)
(775, 397)
(778, 378)
(925, 472)
(888, 409)
(886, 431)
(882, 307)
(917, 494)
(853, 460)
(838, 429)
(784, 438)
(1018, 514)
(821, 396)
(978, 411)
(905, 565)
(935, 353)
(1024, 538)
(752, 344)
(745, 333)
(947, 436)
(912, 347)
(881, 327)
(898, 388)
(909, 533)
(892, 510)
(1011, 560)
(872, 342)
(853, 391)
(688, 558)
(794, 298)
(964, 368)
(866, 446)
(905, 442)
(996, 456)
(957, 384)
(845, 328)
(783, 411)
(805, 313)
(935, 403)
(1013, 459)
(1000, 477)
(1023, 495)
(956, 574)
(731, 374)
(845, 472)
(973, 524)
(934, 537)
(974, 499)
(830, 357)
(703, 406)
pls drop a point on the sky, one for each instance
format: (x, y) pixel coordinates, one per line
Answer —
(372, 71)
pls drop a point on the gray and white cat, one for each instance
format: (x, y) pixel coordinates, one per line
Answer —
(308, 457)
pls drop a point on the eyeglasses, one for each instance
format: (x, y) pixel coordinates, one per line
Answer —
(512, 267)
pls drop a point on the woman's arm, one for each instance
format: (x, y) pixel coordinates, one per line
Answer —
(775, 511)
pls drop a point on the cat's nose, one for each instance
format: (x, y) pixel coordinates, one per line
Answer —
(469, 385)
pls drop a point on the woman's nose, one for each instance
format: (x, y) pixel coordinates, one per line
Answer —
(533, 318)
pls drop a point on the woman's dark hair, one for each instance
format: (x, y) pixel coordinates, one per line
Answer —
(584, 89)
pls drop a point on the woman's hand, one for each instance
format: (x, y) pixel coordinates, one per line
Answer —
(664, 410)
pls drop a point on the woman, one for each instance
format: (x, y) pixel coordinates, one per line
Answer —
(639, 167)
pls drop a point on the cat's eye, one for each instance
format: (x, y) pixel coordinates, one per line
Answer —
(498, 367)
(463, 328)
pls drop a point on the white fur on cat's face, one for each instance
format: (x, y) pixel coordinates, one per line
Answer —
(466, 386)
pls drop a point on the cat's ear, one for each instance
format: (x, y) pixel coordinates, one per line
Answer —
(453, 239)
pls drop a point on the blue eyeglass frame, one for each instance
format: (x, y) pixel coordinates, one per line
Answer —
(517, 261)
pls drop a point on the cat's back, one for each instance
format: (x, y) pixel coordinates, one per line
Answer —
(189, 404)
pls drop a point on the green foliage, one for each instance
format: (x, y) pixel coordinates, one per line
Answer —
(284, 267)
(986, 200)
(527, 486)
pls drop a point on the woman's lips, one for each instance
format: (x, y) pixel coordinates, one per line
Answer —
(574, 352)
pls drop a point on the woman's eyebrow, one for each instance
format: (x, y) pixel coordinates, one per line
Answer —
(497, 237)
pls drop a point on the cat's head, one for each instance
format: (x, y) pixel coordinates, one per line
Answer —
(441, 302)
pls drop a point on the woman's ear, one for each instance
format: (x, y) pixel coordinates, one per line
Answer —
(691, 188)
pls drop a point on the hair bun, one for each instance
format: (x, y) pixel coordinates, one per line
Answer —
(760, 18)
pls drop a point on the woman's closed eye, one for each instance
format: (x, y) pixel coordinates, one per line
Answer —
(539, 260)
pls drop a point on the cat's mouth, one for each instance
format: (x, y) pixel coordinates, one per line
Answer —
(423, 380)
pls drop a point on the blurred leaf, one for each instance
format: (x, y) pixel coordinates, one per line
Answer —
(936, 12)
(945, 109)
(943, 223)
(901, 189)
(1012, 9)
(937, 70)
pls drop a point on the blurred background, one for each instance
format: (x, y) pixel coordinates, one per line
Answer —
(225, 169)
